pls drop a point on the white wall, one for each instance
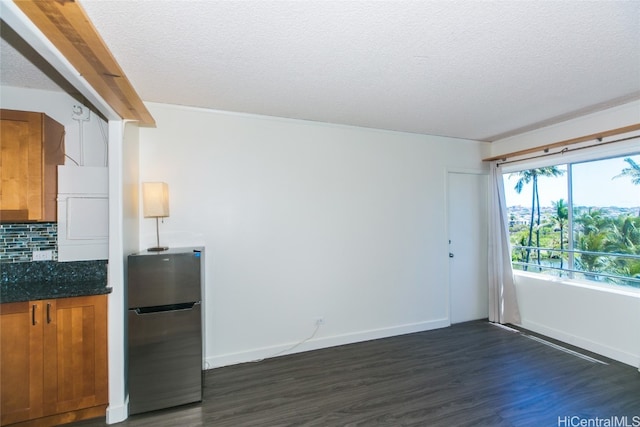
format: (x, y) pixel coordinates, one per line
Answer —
(574, 311)
(303, 220)
(603, 321)
(58, 106)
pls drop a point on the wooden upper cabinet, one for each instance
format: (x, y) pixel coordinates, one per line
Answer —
(32, 147)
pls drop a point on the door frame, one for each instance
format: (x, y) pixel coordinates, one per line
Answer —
(466, 171)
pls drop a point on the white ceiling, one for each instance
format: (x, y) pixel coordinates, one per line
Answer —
(21, 66)
(476, 70)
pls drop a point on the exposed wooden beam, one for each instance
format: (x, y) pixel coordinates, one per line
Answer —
(68, 27)
(593, 136)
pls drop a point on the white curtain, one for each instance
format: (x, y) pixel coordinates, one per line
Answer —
(503, 304)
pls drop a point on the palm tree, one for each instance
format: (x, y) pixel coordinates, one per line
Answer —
(525, 177)
(592, 221)
(588, 262)
(593, 236)
(633, 171)
(560, 218)
(624, 235)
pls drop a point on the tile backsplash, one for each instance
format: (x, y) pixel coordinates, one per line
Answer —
(18, 241)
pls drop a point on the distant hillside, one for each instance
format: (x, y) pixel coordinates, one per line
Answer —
(522, 214)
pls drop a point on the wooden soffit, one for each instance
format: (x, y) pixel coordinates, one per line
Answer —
(68, 27)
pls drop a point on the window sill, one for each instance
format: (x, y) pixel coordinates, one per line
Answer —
(614, 289)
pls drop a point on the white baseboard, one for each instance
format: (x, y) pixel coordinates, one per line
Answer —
(322, 342)
(610, 352)
(119, 413)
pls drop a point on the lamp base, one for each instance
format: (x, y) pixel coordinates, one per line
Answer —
(158, 249)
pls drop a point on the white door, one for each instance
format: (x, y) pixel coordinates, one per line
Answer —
(467, 218)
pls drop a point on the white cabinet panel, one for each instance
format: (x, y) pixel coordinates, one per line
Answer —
(83, 213)
(87, 218)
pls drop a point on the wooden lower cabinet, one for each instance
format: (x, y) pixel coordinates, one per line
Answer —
(53, 361)
(21, 367)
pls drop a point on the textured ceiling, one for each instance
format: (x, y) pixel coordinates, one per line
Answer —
(21, 66)
(477, 70)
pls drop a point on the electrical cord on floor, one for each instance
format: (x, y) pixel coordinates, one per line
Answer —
(315, 331)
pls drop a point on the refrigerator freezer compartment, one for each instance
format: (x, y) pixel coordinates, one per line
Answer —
(163, 278)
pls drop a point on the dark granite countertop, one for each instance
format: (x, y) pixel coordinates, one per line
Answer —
(31, 291)
(46, 280)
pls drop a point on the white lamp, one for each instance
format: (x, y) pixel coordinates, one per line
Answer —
(155, 201)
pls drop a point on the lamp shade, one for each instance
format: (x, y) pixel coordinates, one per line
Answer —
(155, 199)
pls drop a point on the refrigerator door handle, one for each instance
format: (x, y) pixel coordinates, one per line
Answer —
(140, 311)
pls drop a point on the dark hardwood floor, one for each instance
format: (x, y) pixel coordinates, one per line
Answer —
(471, 374)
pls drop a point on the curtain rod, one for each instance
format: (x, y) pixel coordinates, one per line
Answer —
(566, 142)
(568, 150)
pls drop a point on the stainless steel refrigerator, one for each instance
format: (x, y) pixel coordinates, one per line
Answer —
(164, 329)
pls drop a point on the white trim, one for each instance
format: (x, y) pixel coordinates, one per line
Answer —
(610, 352)
(300, 122)
(467, 171)
(116, 334)
(323, 342)
(118, 413)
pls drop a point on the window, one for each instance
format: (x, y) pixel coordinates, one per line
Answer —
(577, 220)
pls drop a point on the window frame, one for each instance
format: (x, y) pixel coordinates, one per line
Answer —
(628, 148)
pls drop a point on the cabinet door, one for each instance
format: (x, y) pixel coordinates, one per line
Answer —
(21, 331)
(75, 353)
(21, 165)
(31, 147)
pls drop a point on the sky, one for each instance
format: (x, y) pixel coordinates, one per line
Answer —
(592, 186)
